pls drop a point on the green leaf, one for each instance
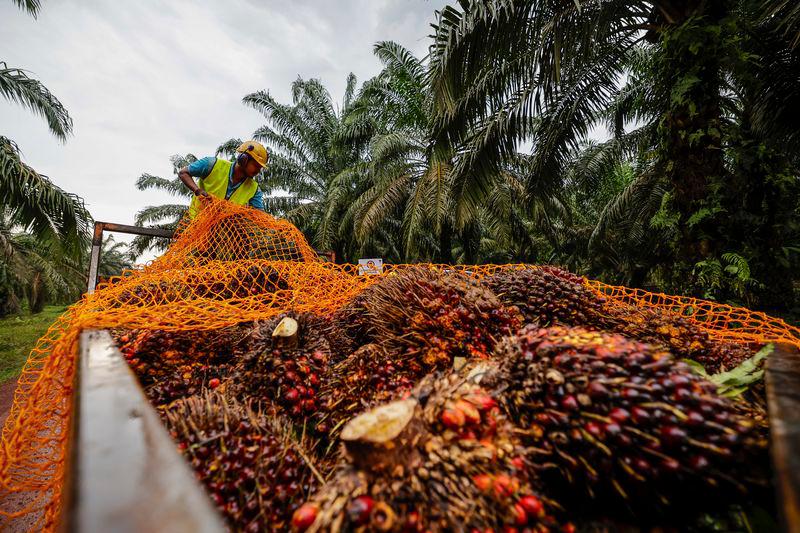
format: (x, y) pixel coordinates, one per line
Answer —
(697, 367)
(736, 381)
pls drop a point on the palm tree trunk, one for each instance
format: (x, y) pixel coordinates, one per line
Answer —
(445, 244)
(692, 155)
(9, 303)
(36, 296)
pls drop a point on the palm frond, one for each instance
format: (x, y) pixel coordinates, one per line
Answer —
(31, 6)
(174, 186)
(38, 205)
(17, 86)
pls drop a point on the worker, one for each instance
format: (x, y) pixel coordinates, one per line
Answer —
(223, 179)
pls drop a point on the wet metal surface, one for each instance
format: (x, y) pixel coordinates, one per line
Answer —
(783, 395)
(127, 475)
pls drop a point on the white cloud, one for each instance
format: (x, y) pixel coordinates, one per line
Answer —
(144, 80)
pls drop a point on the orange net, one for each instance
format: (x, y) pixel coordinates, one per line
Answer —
(230, 265)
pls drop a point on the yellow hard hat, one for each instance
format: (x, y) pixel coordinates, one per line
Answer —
(255, 150)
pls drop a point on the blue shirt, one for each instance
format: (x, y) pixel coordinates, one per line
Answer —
(202, 168)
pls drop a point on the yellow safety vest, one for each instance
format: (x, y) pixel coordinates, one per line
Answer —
(216, 184)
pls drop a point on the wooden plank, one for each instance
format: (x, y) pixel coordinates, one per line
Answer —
(126, 474)
(783, 396)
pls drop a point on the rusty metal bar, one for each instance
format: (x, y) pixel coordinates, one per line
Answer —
(783, 397)
(125, 472)
(136, 230)
(97, 243)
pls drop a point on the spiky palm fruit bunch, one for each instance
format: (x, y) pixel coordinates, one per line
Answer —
(172, 365)
(239, 282)
(621, 418)
(369, 376)
(254, 471)
(429, 316)
(547, 295)
(678, 334)
(150, 293)
(288, 375)
(186, 381)
(445, 459)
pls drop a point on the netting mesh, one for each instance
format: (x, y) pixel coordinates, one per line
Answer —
(231, 265)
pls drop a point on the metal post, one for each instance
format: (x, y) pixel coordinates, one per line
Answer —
(94, 260)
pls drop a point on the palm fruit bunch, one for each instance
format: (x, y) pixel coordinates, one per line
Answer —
(254, 471)
(679, 335)
(547, 295)
(188, 380)
(367, 377)
(172, 365)
(428, 316)
(133, 292)
(444, 459)
(621, 419)
(289, 366)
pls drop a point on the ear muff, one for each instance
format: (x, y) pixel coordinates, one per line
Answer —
(243, 159)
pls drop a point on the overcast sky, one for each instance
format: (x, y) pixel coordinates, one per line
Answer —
(146, 79)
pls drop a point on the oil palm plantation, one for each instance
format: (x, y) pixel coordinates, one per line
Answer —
(671, 79)
(35, 270)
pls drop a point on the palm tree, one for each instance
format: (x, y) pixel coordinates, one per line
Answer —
(31, 6)
(44, 230)
(30, 200)
(408, 179)
(164, 216)
(34, 269)
(35, 203)
(309, 174)
(115, 258)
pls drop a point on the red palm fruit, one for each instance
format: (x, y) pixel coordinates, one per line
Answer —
(359, 510)
(532, 505)
(504, 485)
(453, 419)
(482, 481)
(213, 383)
(304, 516)
(483, 402)
(292, 396)
(471, 413)
(520, 516)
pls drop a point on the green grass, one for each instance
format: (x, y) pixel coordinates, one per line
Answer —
(18, 334)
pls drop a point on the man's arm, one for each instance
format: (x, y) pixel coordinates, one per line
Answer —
(187, 180)
(199, 169)
(257, 201)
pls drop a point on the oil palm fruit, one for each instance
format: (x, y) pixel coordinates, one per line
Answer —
(429, 316)
(612, 416)
(443, 459)
(254, 471)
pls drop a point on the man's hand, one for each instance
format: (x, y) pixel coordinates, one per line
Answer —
(202, 193)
